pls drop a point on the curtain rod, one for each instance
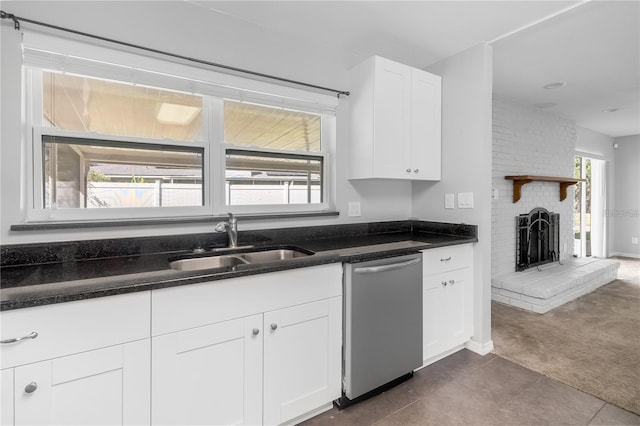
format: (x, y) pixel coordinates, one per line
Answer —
(16, 25)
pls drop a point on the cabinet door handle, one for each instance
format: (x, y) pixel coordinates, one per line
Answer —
(408, 170)
(255, 331)
(274, 326)
(446, 259)
(444, 283)
(452, 282)
(31, 387)
(31, 335)
(416, 171)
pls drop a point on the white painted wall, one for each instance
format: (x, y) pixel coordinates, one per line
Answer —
(191, 31)
(596, 145)
(625, 214)
(466, 167)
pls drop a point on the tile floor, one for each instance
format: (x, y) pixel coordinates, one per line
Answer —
(468, 389)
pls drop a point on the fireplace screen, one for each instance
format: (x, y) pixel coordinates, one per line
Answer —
(538, 242)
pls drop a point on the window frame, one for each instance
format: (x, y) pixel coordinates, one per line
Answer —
(212, 143)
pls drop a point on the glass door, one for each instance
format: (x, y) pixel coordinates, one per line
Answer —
(582, 208)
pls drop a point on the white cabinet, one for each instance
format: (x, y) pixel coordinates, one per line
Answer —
(302, 368)
(107, 386)
(447, 300)
(6, 396)
(209, 375)
(85, 362)
(248, 350)
(395, 122)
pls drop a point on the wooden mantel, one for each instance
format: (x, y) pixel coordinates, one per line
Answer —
(520, 180)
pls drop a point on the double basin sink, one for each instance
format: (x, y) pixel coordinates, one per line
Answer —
(232, 260)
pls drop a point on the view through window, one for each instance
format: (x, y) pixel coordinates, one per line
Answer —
(123, 145)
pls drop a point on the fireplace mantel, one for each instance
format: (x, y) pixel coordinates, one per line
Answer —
(520, 180)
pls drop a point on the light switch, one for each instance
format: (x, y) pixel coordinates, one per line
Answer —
(465, 200)
(449, 201)
(354, 208)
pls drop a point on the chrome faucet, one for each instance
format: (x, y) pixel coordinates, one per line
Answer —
(231, 228)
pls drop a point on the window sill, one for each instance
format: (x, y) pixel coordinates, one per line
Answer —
(41, 226)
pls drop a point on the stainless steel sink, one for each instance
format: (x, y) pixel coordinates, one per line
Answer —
(210, 262)
(236, 259)
(272, 255)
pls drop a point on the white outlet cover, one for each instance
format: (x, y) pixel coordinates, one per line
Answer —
(449, 201)
(354, 209)
(465, 200)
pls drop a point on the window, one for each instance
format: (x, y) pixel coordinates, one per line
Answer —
(113, 140)
(284, 162)
(81, 173)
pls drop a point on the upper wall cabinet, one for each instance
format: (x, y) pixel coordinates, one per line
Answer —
(395, 121)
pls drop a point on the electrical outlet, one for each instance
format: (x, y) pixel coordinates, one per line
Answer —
(634, 240)
(354, 208)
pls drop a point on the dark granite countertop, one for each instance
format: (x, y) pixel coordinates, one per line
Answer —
(26, 281)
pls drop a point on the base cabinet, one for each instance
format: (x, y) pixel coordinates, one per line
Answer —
(209, 375)
(447, 300)
(104, 386)
(302, 359)
(283, 363)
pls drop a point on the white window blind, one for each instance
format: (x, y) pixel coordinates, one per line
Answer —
(69, 56)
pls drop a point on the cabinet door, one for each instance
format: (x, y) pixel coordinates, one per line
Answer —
(6, 396)
(447, 315)
(209, 375)
(458, 306)
(302, 354)
(425, 125)
(102, 387)
(392, 150)
(433, 316)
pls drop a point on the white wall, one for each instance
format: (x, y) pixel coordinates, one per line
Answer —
(625, 213)
(182, 28)
(466, 167)
(593, 144)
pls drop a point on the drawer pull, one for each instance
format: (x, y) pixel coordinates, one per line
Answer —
(446, 259)
(444, 283)
(452, 282)
(32, 335)
(31, 387)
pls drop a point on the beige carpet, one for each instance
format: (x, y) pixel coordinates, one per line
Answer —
(591, 344)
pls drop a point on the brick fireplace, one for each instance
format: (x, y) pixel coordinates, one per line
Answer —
(530, 141)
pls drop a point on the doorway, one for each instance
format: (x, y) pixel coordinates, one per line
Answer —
(589, 228)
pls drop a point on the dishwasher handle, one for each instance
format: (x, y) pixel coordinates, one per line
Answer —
(384, 268)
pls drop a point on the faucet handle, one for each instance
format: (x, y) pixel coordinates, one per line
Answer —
(232, 218)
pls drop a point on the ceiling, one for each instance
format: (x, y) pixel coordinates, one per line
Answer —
(592, 46)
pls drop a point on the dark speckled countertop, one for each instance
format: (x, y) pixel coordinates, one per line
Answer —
(41, 274)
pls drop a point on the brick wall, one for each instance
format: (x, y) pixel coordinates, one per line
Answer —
(528, 141)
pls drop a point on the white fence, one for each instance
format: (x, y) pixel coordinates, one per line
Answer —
(128, 194)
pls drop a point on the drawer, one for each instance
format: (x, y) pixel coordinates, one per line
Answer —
(196, 305)
(73, 327)
(450, 258)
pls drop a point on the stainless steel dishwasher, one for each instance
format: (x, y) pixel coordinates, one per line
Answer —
(382, 339)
